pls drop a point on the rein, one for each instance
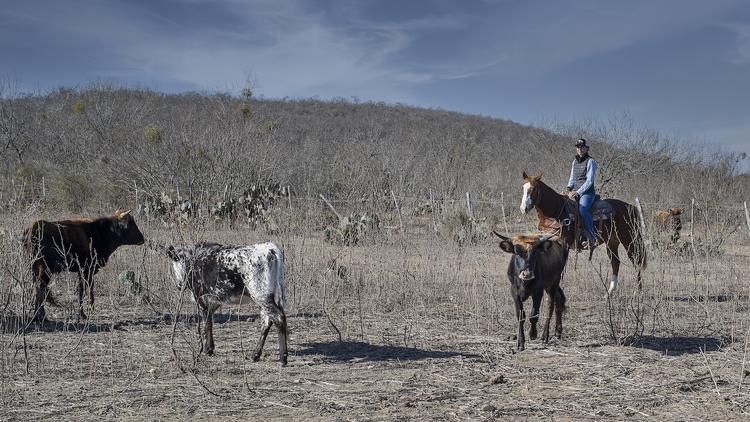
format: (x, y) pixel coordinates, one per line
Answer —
(564, 222)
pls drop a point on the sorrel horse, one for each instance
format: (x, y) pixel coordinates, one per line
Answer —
(619, 226)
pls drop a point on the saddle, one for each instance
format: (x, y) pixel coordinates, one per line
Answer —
(601, 209)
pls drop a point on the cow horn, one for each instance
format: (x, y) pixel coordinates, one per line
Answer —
(499, 235)
(124, 213)
(544, 239)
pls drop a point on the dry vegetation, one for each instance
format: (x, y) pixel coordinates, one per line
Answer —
(411, 321)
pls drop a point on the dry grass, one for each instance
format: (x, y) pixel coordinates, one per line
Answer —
(406, 326)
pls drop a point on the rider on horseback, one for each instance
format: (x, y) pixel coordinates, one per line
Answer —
(581, 188)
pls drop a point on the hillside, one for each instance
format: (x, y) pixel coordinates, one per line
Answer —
(95, 145)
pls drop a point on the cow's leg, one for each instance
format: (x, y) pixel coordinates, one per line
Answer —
(90, 284)
(208, 328)
(279, 319)
(559, 309)
(536, 300)
(40, 291)
(521, 317)
(81, 287)
(548, 316)
(264, 328)
(614, 261)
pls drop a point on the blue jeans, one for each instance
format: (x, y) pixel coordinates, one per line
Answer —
(584, 209)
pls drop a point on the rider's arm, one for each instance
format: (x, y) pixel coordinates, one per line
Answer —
(590, 174)
(571, 181)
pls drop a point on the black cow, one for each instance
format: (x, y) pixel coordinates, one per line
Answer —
(536, 267)
(82, 245)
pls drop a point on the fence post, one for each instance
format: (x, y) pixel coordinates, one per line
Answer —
(468, 206)
(289, 195)
(400, 220)
(330, 206)
(502, 209)
(747, 218)
(434, 210)
(137, 209)
(44, 190)
(692, 226)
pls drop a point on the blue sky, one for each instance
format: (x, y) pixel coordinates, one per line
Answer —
(681, 66)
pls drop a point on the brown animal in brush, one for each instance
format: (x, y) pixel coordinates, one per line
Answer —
(668, 221)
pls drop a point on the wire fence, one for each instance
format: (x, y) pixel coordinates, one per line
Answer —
(428, 209)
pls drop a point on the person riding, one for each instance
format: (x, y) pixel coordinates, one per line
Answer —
(581, 188)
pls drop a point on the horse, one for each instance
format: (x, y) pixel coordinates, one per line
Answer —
(617, 223)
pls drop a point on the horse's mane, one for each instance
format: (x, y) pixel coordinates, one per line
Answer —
(548, 192)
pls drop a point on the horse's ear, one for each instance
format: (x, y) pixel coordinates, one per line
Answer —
(525, 176)
(540, 176)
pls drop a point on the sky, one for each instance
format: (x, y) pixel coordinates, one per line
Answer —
(678, 66)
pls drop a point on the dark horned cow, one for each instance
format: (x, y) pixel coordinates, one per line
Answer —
(217, 274)
(536, 267)
(82, 246)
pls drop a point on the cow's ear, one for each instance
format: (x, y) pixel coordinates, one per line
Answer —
(507, 246)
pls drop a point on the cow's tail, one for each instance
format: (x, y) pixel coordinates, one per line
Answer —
(276, 269)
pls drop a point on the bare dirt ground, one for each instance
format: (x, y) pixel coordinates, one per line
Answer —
(425, 334)
(122, 367)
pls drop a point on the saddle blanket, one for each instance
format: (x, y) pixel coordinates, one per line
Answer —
(600, 210)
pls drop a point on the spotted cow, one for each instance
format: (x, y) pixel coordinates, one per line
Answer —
(216, 274)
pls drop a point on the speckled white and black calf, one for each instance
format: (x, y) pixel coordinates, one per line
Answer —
(218, 274)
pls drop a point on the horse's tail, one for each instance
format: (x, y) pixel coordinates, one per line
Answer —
(638, 244)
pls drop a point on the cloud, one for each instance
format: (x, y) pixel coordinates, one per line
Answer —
(539, 37)
(740, 51)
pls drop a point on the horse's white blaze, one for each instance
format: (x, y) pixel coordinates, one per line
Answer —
(612, 283)
(526, 199)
